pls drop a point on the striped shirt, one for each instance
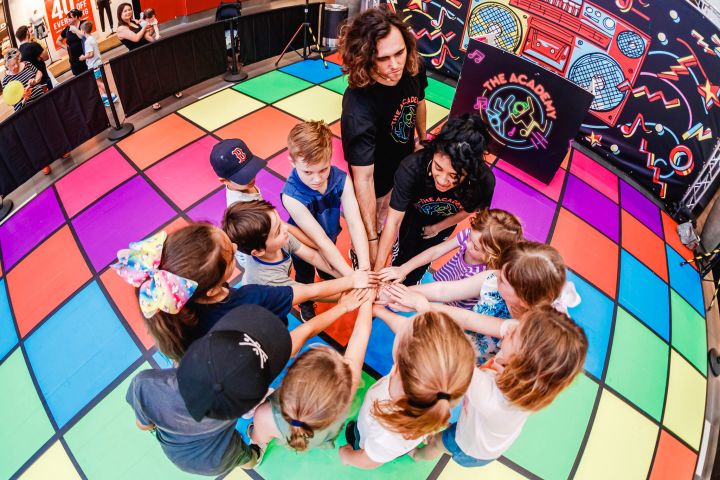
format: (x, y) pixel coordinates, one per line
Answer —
(24, 77)
(458, 269)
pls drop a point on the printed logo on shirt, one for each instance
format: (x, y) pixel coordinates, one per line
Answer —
(403, 122)
(239, 154)
(438, 206)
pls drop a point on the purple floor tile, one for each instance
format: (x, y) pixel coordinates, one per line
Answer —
(535, 210)
(128, 214)
(593, 207)
(29, 226)
(641, 208)
(211, 209)
(271, 186)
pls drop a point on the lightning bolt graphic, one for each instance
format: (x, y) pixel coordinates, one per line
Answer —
(698, 131)
(650, 157)
(701, 42)
(655, 96)
(680, 69)
(434, 35)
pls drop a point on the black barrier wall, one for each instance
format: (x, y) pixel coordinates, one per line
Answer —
(46, 129)
(160, 69)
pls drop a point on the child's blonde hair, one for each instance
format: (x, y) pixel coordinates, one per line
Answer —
(498, 230)
(314, 394)
(551, 353)
(536, 272)
(435, 361)
(310, 142)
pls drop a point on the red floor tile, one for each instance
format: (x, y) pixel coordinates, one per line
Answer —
(587, 251)
(673, 460)
(644, 245)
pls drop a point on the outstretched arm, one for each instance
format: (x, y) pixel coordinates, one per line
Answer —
(388, 236)
(358, 279)
(398, 274)
(353, 218)
(357, 345)
(452, 291)
(313, 257)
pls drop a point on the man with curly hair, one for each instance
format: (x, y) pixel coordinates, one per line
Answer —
(383, 108)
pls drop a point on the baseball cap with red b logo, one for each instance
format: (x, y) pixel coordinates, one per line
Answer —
(233, 160)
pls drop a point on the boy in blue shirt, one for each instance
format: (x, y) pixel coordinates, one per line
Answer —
(313, 195)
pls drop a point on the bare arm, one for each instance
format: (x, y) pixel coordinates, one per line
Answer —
(391, 319)
(356, 458)
(301, 215)
(125, 33)
(389, 234)
(44, 56)
(367, 203)
(469, 320)
(399, 273)
(421, 120)
(452, 291)
(357, 345)
(300, 235)
(144, 427)
(313, 257)
(353, 218)
(348, 302)
(358, 279)
(432, 230)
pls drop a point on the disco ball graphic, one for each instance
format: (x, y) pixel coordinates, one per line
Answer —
(602, 72)
(631, 44)
(498, 19)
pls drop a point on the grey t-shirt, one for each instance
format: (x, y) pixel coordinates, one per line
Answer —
(276, 274)
(208, 447)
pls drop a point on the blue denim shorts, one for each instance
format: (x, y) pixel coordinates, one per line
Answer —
(458, 456)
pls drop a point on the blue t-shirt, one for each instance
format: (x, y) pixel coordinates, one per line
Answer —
(208, 447)
(325, 207)
(276, 299)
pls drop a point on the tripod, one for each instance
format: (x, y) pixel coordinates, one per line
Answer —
(305, 28)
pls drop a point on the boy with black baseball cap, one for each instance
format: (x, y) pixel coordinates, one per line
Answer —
(193, 409)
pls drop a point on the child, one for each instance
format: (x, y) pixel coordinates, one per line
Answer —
(93, 60)
(314, 193)
(539, 358)
(478, 247)
(183, 289)
(148, 18)
(309, 409)
(433, 368)
(531, 274)
(258, 231)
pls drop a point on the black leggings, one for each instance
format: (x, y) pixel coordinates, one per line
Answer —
(410, 242)
(105, 6)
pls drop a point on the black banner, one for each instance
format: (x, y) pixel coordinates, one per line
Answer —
(160, 69)
(532, 116)
(654, 66)
(46, 129)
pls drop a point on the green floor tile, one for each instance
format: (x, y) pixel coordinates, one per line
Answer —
(439, 92)
(24, 425)
(107, 444)
(281, 463)
(689, 332)
(638, 364)
(551, 438)
(337, 84)
(272, 86)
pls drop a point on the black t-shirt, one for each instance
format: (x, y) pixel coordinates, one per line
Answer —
(413, 188)
(30, 52)
(378, 125)
(74, 44)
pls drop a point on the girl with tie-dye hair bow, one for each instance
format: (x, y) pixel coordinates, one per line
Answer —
(182, 280)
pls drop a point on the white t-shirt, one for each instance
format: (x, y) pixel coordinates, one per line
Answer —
(379, 443)
(91, 45)
(488, 423)
(232, 196)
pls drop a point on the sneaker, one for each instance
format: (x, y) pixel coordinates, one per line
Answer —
(106, 102)
(350, 436)
(307, 311)
(114, 98)
(354, 259)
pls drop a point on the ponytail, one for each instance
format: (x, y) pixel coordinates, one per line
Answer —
(435, 362)
(300, 435)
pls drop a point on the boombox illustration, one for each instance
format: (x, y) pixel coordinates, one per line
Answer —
(573, 38)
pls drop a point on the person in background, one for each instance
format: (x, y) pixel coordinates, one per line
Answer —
(149, 18)
(73, 41)
(25, 73)
(94, 61)
(31, 51)
(38, 24)
(103, 7)
(131, 33)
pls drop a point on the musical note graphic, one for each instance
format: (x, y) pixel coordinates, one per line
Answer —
(476, 56)
(481, 103)
(444, 52)
(443, 12)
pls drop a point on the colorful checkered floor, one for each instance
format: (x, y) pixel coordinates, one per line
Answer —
(71, 336)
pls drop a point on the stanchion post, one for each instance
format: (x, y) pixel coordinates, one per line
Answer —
(235, 74)
(119, 130)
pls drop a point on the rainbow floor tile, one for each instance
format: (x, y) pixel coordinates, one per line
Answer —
(71, 336)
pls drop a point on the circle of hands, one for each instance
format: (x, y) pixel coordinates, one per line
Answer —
(383, 288)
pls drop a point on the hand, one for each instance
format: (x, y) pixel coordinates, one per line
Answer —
(27, 93)
(392, 274)
(378, 309)
(429, 231)
(364, 279)
(352, 299)
(400, 295)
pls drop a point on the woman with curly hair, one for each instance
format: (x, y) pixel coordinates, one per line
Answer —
(383, 108)
(436, 188)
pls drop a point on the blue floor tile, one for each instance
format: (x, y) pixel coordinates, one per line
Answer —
(645, 295)
(685, 280)
(8, 334)
(313, 70)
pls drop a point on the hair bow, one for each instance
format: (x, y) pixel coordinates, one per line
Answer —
(159, 289)
(568, 298)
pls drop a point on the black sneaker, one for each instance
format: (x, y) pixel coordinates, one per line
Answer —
(351, 435)
(307, 311)
(354, 259)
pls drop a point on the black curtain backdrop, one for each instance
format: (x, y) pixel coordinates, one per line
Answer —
(48, 128)
(264, 35)
(156, 71)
